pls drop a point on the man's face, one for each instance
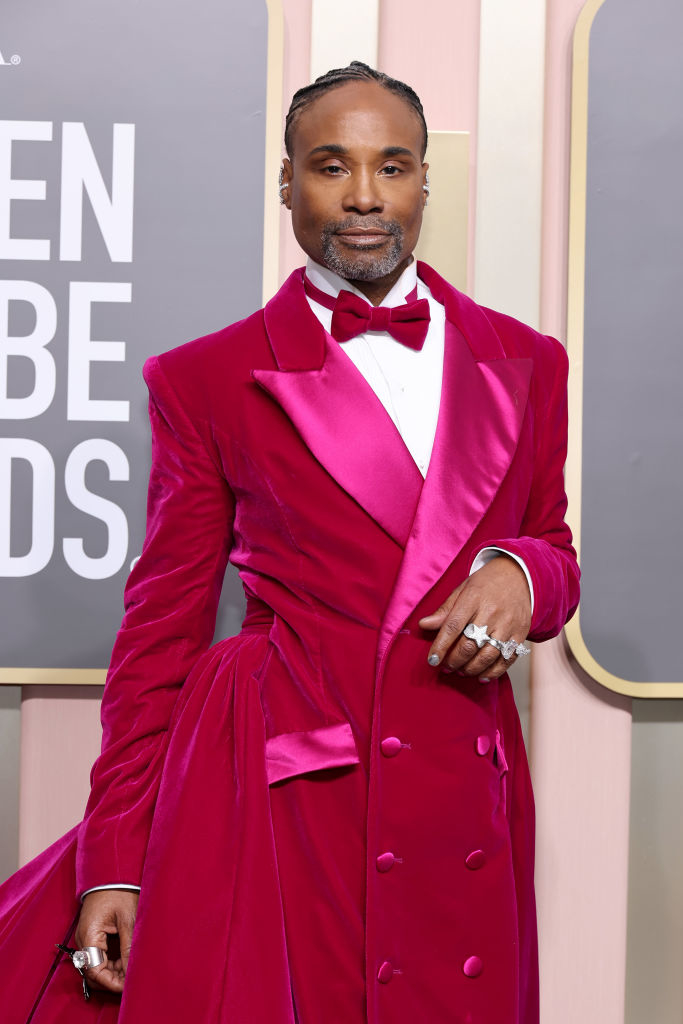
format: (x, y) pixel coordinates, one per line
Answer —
(355, 182)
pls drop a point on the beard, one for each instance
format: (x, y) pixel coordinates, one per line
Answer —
(368, 264)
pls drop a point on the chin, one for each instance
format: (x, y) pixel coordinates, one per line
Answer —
(370, 266)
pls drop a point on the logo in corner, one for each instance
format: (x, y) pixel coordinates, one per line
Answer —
(14, 59)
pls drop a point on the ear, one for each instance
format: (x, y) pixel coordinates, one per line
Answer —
(287, 174)
(425, 184)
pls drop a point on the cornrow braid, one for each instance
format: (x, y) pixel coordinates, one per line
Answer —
(356, 71)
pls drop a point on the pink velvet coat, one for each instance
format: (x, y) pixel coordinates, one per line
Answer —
(325, 829)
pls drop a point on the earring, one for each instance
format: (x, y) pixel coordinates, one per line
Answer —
(426, 188)
(282, 185)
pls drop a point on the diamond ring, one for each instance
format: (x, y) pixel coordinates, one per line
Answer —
(477, 633)
(509, 648)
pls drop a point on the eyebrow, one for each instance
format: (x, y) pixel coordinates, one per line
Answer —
(388, 151)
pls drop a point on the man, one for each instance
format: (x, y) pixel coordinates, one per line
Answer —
(332, 820)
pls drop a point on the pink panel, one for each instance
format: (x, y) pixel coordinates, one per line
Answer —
(581, 762)
(581, 733)
(440, 59)
(297, 66)
(60, 739)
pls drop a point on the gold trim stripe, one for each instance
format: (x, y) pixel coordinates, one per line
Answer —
(575, 340)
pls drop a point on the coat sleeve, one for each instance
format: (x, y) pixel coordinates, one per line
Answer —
(545, 541)
(170, 601)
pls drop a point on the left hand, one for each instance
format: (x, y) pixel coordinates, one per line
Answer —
(497, 596)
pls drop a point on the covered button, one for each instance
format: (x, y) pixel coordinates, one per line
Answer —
(483, 745)
(390, 746)
(473, 967)
(385, 973)
(385, 861)
(475, 860)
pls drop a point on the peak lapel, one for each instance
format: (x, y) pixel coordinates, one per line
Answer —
(337, 414)
(482, 408)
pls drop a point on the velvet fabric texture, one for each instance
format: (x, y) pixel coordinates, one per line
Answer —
(324, 828)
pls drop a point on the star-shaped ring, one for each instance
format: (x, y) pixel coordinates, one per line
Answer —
(477, 633)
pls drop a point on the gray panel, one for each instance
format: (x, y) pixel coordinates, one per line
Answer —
(10, 731)
(632, 486)
(655, 896)
(191, 77)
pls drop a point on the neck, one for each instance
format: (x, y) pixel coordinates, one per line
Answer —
(375, 291)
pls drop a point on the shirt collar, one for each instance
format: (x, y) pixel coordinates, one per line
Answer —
(330, 283)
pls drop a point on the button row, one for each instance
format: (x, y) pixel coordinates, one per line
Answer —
(391, 745)
(471, 968)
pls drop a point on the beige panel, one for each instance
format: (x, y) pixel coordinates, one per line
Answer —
(443, 241)
(510, 157)
(341, 33)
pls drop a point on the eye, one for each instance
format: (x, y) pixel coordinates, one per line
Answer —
(333, 169)
(391, 170)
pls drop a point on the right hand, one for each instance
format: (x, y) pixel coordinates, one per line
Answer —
(107, 913)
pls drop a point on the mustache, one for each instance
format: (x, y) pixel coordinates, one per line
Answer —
(369, 222)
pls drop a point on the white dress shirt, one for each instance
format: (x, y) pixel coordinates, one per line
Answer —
(407, 382)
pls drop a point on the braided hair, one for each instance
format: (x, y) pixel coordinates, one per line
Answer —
(356, 71)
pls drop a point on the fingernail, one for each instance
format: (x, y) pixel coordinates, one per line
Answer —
(433, 659)
(484, 679)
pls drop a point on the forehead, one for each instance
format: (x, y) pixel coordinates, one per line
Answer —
(357, 114)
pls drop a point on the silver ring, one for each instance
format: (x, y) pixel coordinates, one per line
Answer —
(90, 956)
(509, 648)
(477, 633)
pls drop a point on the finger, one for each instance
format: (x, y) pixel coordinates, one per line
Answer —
(94, 930)
(495, 671)
(105, 976)
(435, 619)
(449, 635)
(126, 925)
(470, 662)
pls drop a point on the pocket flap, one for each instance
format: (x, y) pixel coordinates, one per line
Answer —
(293, 753)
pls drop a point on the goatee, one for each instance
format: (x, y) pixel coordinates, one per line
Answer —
(352, 267)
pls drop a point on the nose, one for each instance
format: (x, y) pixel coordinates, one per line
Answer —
(363, 194)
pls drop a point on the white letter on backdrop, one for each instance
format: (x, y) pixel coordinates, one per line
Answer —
(18, 188)
(30, 346)
(98, 507)
(83, 351)
(80, 171)
(42, 506)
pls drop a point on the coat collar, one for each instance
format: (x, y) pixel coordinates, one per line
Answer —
(337, 413)
(346, 427)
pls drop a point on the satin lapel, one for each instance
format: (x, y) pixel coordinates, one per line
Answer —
(482, 408)
(337, 414)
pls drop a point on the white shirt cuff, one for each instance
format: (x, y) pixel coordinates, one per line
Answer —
(114, 885)
(485, 556)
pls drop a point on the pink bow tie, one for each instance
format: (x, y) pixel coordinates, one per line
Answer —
(407, 323)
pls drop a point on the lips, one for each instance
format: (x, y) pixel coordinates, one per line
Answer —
(359, 237)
